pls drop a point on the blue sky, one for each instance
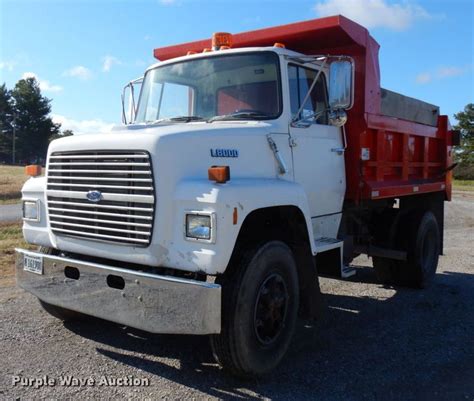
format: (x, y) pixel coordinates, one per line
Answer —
(83, 52)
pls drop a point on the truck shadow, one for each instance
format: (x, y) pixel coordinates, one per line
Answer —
(409, 345)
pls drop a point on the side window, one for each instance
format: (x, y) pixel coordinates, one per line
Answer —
(300, 80)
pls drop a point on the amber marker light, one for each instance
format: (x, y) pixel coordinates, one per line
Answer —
(280, 45)
(219, 174)
(220, 39)
(33, 170)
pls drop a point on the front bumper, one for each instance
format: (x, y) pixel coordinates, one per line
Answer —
(158, 304)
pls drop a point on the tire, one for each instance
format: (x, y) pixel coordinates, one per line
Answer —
(423, 251)
(66, 315)
(260, 299)
(63, 314)
(418, 234)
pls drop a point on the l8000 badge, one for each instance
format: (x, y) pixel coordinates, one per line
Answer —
(224, 153)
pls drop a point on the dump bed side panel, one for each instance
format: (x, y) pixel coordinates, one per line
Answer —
(400, 158)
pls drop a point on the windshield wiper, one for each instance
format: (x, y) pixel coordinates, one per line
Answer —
(186, 119)
(240, 115)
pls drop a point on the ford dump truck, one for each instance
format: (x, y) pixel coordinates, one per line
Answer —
(247, 166)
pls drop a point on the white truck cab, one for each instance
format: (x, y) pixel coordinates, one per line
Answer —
(230, 107)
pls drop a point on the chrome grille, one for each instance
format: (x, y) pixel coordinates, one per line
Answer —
(125, 212)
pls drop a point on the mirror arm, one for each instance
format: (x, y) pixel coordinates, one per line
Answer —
(134, 106)
(298, 113)
(124, 114)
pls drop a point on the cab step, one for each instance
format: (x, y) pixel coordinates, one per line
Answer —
(324, 244)
(329, 257)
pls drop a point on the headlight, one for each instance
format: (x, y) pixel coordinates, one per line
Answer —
(31, 210)
(199, 226)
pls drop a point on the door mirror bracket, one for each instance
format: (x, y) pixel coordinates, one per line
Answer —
(337, 117)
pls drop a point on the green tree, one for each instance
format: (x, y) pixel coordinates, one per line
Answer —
(66, 132)
(33, 125)
(6, 132)
(465, 152)
(466, 126)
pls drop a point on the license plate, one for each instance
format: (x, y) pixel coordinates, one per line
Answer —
(33, 264)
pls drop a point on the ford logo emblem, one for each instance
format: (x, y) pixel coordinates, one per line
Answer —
(94, 196)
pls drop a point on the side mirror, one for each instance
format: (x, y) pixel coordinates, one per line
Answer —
(130, 100)
(341, 84)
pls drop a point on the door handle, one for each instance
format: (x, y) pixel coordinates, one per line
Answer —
(339, 151)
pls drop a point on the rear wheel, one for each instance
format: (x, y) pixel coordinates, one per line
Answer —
(419, 235)
(423, 247)
(259, 308)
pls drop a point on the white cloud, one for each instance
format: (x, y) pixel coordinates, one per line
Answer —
(441, 73)
(7, 65)
(94, 126)
(108, 62)
(80, 72)
(374, 13)
(445, 72)
(44, 85)
(424, 78)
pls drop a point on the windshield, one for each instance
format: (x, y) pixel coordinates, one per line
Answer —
(238, 86)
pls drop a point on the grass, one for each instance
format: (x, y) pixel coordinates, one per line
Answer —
(11, 237)
(12, 179)
(463, 185)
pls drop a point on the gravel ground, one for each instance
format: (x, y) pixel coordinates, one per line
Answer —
(375, 343)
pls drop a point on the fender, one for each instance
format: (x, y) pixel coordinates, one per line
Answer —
(36, 232)
(239, 196)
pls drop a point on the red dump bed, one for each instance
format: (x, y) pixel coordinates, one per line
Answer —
(386, 156)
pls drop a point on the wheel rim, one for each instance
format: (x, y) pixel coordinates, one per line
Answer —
(271, 309)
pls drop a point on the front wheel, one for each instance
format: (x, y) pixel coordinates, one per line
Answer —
(259, 308)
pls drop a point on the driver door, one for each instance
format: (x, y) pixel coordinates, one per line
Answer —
(317, 152)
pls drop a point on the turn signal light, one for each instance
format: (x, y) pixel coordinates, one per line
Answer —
(220, 39)
(219, 174)
(280, 45)
(33, 170)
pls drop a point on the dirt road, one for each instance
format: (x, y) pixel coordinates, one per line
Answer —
(375, 343)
